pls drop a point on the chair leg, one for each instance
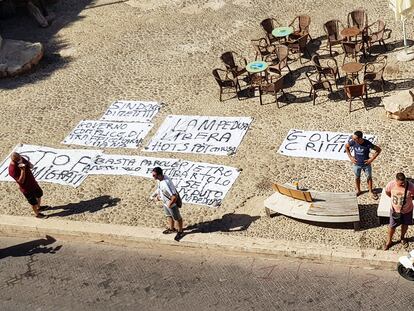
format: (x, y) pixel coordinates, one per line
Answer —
(383, 85)
(277, 102)
(221, 92)
(350, 105)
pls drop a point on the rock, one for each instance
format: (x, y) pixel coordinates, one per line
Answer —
(18, 56)
(400, 106)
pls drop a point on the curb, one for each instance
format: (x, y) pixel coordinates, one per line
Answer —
(19, 226)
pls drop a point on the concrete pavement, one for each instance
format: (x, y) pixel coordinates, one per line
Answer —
(131, 235)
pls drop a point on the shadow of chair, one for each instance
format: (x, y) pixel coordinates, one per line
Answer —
(90, 206)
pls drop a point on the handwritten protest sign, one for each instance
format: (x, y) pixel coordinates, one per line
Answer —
(316, 144)
(131, 111)
(200, 134)
(65, 167)
(107, 134)
(197, 183)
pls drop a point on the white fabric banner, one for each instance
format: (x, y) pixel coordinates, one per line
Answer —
(317, 144)
(200, 134)
(107, 134)
(60, 166)
(197, 183)
(131, 111)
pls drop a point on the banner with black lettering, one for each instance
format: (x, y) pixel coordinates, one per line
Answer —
(197, 183)
(108, 134)
(200, 134)
(131, 111)
(60, 166)
(317, 144)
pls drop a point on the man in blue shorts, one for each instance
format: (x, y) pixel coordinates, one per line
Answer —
(361, 160)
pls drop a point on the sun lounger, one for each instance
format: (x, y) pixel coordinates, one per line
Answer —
(315, 206)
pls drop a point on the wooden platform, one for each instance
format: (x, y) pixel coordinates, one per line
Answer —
(329, 207)
(384, 205)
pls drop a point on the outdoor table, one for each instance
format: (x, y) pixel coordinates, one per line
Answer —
(257, 67)
(282, 32)
(351, 69)
(350, 32)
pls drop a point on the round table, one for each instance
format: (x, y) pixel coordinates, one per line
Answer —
(256, 66)
(281, 32)
(350, 32)
(351, 69)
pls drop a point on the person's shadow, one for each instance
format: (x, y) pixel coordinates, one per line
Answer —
(91, 206)
(227, 223)
(30, 248)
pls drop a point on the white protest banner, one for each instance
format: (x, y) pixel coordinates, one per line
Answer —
(60, 166)
(200, 134)
(197, 183)
(317, 144)
(107, 134)
(131, 111)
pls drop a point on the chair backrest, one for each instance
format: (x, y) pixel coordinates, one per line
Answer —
(332, 29)
(378, 34)
(375, 70)
(228, 59)
(293, 193)
(303, 41)
(282, 52)
(268, 25)
(316, 81)
(358, 18)
(355, 90)
(316, 61)
(260, 46)
(218, 78)
(304, 23)
(351, 47)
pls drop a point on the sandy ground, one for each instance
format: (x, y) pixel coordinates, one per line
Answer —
(97, 52)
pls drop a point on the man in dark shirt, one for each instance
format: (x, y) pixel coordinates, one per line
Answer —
(361, 160)
(19, 170)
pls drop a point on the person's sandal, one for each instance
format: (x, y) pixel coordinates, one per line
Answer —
(42, 216)
(169, 231)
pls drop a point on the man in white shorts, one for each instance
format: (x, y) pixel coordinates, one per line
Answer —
(168, 194)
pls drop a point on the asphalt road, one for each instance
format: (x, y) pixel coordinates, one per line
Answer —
(56, 275)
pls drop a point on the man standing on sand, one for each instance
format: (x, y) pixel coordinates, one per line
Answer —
(168, 194)
(401, 192)
(362, 161)
(20, 171)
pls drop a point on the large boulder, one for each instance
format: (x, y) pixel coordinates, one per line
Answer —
(400, 106)
(18, 56)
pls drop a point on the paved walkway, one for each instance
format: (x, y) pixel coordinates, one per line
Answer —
(45, 275)
(100, 51)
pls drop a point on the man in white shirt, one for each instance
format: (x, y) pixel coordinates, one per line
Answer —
(168, 194)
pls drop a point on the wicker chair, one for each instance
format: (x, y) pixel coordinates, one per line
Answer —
(268, 25)
(262, 48)
(278, 60)
(375, 33)
(317, 84)
(236, 68)
(225, 83)
(273, 85)
(329, 70)
(332, 30)
(302, 26)
(352, 49)
(374, 71)
(358, 18)
(299, 46)
(353, 91)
